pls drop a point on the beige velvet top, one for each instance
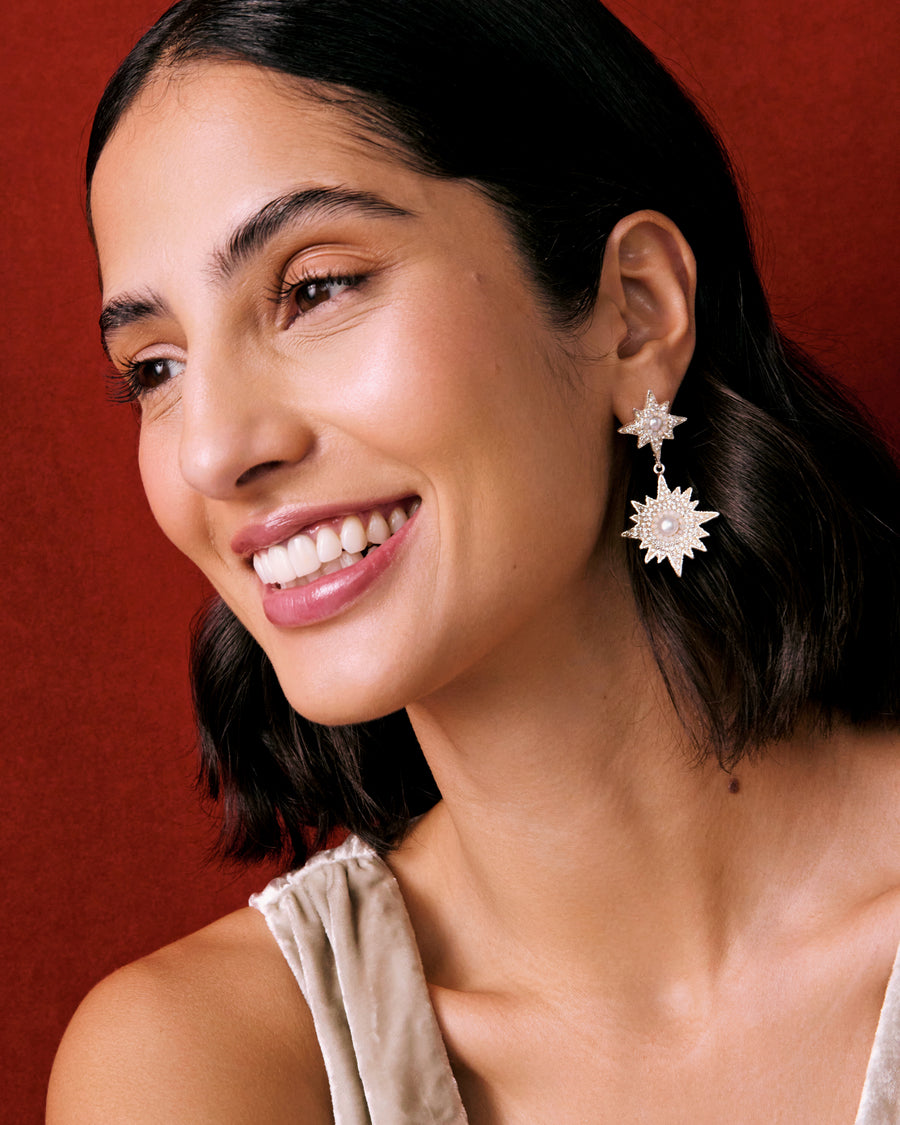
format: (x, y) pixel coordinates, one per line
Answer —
(342, 925)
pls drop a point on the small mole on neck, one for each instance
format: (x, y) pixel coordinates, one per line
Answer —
(734, 786)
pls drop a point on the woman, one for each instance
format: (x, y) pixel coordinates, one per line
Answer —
(382, 321)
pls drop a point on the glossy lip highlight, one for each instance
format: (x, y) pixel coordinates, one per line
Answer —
(287, 522)
(331, 594)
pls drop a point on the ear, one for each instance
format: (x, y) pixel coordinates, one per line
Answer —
(650, 276)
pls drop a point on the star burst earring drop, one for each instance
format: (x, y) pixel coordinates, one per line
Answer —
(667, 526)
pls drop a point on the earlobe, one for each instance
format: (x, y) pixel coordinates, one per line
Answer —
(649, 274)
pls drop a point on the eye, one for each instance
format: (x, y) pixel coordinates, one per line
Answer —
(317, 290)
(150, 373)
(142, 376)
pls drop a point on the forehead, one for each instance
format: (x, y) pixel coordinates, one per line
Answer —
(202, 146)
(224, 104)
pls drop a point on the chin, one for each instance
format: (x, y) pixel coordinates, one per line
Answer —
(340, 698)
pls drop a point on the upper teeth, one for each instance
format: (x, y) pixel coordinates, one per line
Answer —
(306, 557)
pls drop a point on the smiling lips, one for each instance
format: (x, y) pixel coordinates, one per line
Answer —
(329, 547)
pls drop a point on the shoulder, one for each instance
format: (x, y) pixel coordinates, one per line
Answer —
(212, 1028)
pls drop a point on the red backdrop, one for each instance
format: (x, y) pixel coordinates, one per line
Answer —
(103, 842)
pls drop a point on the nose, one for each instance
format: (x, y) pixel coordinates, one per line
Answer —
(235, 429)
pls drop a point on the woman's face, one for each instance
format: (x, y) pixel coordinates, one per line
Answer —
(321, 336)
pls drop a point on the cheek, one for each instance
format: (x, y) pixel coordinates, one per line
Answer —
(429, 381)
(175, 507)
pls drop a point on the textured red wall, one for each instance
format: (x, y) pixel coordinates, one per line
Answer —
(102, 839)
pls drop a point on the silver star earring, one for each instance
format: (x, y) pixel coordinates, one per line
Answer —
(667, 526)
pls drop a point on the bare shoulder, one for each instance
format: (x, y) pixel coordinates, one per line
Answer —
(212, 1028)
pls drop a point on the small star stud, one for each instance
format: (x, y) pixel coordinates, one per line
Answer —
(653, 425)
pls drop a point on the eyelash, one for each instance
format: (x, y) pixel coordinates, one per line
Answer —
(130, 385)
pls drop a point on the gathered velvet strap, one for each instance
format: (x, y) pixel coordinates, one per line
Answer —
(880, 1101)
(343, 928)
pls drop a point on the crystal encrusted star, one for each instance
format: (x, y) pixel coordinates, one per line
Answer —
(653, 424)
(668, 526)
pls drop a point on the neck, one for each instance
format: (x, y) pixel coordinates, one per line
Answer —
(579, 836)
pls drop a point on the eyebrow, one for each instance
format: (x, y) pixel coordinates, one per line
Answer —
(247, 240)
(128, 309)
(309, 203)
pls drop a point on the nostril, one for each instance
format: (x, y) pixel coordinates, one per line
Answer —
(257, 470)
(234, 443)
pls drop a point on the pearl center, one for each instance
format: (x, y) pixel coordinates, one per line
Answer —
(655, 423)
(668, 524)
